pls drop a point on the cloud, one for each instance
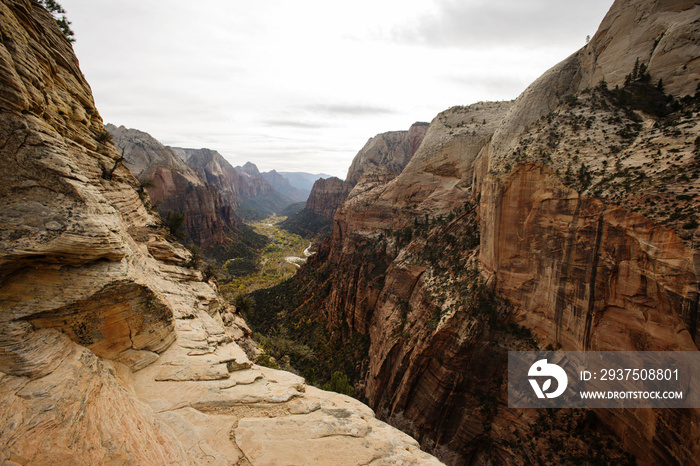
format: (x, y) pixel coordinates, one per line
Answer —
(294, 124)
(490, 23)
(349, 109)
(491, 85)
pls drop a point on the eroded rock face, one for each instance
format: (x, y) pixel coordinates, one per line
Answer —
(436, 181)
(176, 187)
(215, 170)
(110, 350)
(607, 278)
(551, 220)
(589, 276)
(391, 151)
(382, 158)
(260, 199)
(660, 35)
(666, 44)
(326, 195)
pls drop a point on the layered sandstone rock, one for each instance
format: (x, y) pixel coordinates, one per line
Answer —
(110, 350)
(391, 151)
(436, 181)
(326, 195)
(581, 238)
(176, 187)
(215, 170)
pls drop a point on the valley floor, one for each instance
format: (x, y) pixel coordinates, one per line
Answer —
(277, 262)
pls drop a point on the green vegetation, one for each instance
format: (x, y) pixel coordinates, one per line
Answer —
(196, 258)
(339, 383)
(174, 221)
(143, 186)
(570, 436)
(239, 255)
(290, 322)
(59, 14)
(104, 137)
(308, 224)
(278, 261)
(261, 207)
(292, 209)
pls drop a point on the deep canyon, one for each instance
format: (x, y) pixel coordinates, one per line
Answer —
(566, 219)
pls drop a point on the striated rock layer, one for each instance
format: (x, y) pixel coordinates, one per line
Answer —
(566, 220)
(176, 187)
(391, 151)
(385, 155)
(326, 195)
(111, 351)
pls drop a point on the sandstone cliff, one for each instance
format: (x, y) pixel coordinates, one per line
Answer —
(208, 203)
(260, 200)
(244, 188)
(315, 219)
(215, 170)
(111, 351)
(385, 155)
(390, 151)
(326, 195)
(566, 219)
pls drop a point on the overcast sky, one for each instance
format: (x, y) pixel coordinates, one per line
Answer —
(301, 85)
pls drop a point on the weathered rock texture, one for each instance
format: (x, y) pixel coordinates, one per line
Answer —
(210, 218)
(215, 170)
(390, 151)
(566, 219)
(326, 195)
(316, 218)
(259, 198)
(110, 350)
(384, 156)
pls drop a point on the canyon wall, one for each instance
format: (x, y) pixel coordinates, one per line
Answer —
(391, 151)
(384, 155)
(260, 199)
(566, 220)
(112, 350)
(176, 187)
(213, 169)
(326, 195)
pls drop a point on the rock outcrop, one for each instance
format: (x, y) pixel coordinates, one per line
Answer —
(327, 195)
(384, 156)
(390, 151)
(316, 218)
(566, 219)
(111, 351)
(257, 184)
(260, 199)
